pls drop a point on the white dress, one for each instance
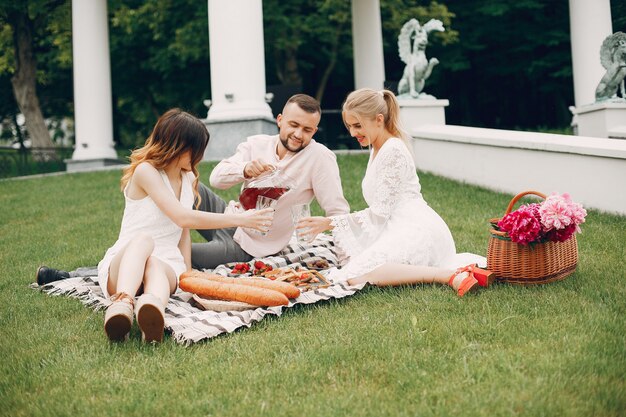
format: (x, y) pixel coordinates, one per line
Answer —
(398, 226)
(144, 216)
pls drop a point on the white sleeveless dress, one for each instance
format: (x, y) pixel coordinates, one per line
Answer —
(144, 216)
(398, 226)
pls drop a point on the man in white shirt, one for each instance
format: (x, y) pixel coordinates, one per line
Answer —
(311, 165)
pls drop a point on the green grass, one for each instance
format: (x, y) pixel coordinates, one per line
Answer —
(553, 350)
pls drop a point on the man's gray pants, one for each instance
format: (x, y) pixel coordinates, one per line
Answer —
(220, 247)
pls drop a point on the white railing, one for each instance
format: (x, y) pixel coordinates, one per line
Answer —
(591, 170)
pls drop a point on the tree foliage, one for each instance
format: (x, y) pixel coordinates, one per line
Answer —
(512, 66)
(159, 60)
(35, 63)
(504, 63)
(309, 43)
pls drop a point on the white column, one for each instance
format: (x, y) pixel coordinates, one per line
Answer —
(237, 56)
(590, 24)
(367, 42)
(93, 117)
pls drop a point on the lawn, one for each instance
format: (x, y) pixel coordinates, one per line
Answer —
(552, 350)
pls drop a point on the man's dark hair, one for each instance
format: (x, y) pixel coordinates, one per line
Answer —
(306, 103)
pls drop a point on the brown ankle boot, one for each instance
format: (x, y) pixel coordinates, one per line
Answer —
(118, 318)
(150, 317)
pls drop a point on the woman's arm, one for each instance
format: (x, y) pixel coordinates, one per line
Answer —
(149, 180)
(185, 247)
(363, 226)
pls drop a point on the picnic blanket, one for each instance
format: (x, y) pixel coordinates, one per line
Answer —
(189, 324)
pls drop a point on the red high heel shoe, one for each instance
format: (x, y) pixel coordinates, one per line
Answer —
(484, 276)
(469, 283)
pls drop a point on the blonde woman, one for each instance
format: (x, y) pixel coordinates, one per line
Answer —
(154, 245)
(398, 239)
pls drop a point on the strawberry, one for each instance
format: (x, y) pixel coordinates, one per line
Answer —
(241, 268)
(259, 265)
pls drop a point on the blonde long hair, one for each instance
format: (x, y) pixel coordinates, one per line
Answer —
(175, 133)
(368, 103)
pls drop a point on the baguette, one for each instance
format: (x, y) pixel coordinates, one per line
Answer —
(289, 290)
(233, 292)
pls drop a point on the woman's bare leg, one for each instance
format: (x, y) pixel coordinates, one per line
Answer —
(127, 268)
(125, 276)
(402, 274)
(159, 280)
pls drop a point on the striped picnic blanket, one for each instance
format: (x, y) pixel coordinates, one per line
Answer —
(189, 324)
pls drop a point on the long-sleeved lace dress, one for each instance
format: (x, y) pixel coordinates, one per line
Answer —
(398, 226)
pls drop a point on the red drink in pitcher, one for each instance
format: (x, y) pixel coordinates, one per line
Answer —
(248, 196)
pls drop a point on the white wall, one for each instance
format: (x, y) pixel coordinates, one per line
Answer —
(591, 170)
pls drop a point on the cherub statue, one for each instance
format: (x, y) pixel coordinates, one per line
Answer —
(613, 58)
(418, 68)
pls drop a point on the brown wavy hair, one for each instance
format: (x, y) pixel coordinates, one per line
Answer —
(175, 133)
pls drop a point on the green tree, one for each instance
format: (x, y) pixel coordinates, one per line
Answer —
(31, 32)
(159, 60)
(304, 39)
(511, 67)
(308, 41)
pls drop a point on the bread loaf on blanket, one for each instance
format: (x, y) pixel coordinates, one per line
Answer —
(233, 292)
(289, 290)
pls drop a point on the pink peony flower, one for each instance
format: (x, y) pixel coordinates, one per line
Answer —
(559, 212)
(578, 212)
(521, 225)
(532, 209)
(555, 213)
(561, 235)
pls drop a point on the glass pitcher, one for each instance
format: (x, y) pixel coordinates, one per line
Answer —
(272, 184)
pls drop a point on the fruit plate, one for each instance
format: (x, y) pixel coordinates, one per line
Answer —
(302, 278)
(243, 269)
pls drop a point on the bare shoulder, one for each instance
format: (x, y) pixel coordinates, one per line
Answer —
(145, 169)
(144, 172)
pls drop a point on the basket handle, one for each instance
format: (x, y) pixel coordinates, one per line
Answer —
(520, 195)
(510, 207)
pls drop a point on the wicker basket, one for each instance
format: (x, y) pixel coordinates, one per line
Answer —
(538, 263)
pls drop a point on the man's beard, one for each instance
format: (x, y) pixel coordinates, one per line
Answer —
(285, 143)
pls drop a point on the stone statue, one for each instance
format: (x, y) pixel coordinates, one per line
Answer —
(613, 58)
(418, 68)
